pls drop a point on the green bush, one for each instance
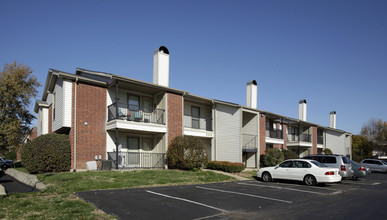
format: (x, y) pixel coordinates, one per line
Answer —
(272, 157)
(10, 155)
(226, 166)
(186, 153)
(288, 154)
(47, 153)
(327, 151)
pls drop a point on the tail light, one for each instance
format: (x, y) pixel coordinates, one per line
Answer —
(330, 173)
(342, 168)
(362, 168)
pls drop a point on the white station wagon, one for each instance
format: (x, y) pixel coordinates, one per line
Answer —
(311, 172)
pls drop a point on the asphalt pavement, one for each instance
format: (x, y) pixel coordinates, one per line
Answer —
(12, 185)
(363, 199)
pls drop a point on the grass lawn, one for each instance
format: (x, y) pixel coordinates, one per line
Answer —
(58, 200)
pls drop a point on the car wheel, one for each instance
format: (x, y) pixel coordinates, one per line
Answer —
(310, 180)
(4, 167)
(266, 177)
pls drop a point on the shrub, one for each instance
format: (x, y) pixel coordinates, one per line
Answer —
(327, 151)
(272, 157)
(288, 154)
(226, 166)
(10, 155)
(186, 153)
(47, 153)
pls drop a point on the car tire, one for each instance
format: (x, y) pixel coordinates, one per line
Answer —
(266, 177)
(310, 180)
(4, 167)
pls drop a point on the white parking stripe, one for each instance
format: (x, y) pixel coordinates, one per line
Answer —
(244, 194)
(292, 189)
(186, 200)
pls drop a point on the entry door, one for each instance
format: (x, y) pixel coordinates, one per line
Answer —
(134, 151)
(147, 149)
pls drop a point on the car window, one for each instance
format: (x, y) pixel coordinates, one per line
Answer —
(287, 164)
(302, 164)
(330, 160)
(345, 160)
(318, 163)
(384, 162)
(379, 163)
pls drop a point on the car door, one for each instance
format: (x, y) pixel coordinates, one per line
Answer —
(300, 170)
(283, 170)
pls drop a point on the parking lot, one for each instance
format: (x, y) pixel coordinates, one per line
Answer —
(362, 199)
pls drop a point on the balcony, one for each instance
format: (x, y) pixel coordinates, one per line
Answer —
(200, 123)
(135, 113)
(278, 134)
(249, 143)
(320, 139)
(138, 160)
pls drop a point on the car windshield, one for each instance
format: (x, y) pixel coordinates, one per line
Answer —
(384, 162)
(353, 162)
(317, 163)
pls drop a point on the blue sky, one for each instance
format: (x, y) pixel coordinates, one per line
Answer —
(331, 53)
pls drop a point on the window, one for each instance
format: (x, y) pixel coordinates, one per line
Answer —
(147, 144)
(134, 102)
(195, 113)
(286, 164)
(134, 143)
(330, 160)
(302, 164)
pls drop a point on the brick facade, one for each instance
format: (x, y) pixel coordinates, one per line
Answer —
(262, 134)
(90, 124)
(175, 116)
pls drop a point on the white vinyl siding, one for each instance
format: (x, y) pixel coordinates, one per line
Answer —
(336, 142)
(228, 133)
(58, 91)
(67, 102)
(63, 104)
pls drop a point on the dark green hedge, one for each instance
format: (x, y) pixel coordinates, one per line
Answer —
(226, 166)
(186, 153)
(272, 157)
(288, 154)
(47, 153)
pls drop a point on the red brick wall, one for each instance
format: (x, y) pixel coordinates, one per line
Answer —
(90, 138)
(175, 116)
(314, 140)
(285, 147)
(262, 134)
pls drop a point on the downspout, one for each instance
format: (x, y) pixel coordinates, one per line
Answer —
(213, 128)
(75, 125)
(116, 128)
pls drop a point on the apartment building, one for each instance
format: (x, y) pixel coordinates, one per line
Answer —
(132, 122)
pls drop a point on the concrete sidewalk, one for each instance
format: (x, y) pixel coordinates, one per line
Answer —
(26, 178)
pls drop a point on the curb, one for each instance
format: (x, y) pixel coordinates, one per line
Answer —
(26, 178)
(2, 191)
(227, 174)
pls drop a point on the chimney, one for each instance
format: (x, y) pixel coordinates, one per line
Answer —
(302, 110)
(251, 94)
(332, 119)
(161, 66)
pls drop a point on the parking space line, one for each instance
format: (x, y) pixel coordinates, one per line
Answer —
(292, 189)
(244, 194)
(186, 200)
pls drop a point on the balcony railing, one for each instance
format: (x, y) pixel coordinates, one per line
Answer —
(136, 160)
(278, 134)
(249, 143)
(198, 122)
(135, 113)
(301, 137)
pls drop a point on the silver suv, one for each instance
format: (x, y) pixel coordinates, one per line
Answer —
(336, 161)
(375, 165)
